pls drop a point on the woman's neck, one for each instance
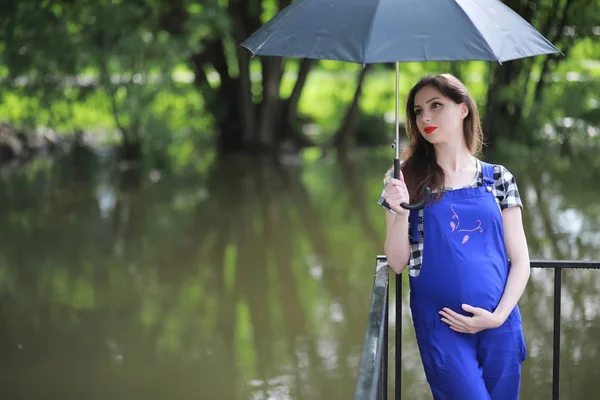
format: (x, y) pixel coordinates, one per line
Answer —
(453, 158)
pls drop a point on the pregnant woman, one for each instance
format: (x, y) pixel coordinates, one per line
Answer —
(466, 250)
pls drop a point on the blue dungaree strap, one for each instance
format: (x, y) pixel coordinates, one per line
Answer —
(488, 173)
(465, 263)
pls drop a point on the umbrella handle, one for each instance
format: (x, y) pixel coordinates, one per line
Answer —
(420, 203)
(426, 193)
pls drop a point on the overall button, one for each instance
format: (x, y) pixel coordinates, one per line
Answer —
(489, 189)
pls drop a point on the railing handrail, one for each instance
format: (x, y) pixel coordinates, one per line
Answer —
(374, 353)
(373, 370)
(568, 264)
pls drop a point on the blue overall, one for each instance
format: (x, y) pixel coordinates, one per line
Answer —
(465, 262)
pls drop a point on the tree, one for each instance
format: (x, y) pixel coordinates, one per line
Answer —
(64, 51)
(248, 115)
(516, 87)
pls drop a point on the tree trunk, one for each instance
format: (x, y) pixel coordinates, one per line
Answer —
(456, 69)
(292, 104)
(499, 111)
(245, 98)
(349, 125)
(270, 107)
(289, 129)
(504, 114)
(241, 124)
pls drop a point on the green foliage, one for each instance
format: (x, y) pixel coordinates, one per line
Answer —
(373, 130)
(123, 70)
(103, 65)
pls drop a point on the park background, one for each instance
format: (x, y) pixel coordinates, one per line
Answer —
(181, 221)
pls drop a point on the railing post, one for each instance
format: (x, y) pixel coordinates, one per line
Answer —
(386, 325)
(556, 346)
(398, 363)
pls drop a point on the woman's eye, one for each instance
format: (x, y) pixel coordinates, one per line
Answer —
(436, 105)
(417, 112)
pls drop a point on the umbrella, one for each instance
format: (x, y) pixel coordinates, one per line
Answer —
(386, 31)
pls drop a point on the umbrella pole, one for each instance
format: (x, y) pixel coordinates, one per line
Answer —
(397, 125)
(398, 307)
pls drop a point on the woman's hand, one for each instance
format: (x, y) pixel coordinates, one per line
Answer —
(396, 193)
(479, 321)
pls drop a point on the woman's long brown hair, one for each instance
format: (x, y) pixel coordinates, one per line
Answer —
(419, 165)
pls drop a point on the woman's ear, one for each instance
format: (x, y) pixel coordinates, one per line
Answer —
(464, 111)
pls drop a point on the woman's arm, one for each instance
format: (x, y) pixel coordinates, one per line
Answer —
(518, 254)
(397, 248)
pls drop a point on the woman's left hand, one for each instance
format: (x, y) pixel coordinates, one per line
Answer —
(479, 321)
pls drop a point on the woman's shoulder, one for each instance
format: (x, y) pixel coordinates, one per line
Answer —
(501, 173)
(506, 189)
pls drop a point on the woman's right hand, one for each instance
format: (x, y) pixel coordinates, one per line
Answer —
(396, 193)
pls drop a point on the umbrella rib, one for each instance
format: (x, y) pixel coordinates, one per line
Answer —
(478, 31)
(368, 38)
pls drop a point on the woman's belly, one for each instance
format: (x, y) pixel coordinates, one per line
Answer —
(478, 282)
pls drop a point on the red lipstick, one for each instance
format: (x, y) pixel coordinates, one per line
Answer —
(430, 129)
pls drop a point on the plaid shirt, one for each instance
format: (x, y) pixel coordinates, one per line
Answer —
(505, 191)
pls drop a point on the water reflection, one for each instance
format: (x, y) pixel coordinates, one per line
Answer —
(247, 282)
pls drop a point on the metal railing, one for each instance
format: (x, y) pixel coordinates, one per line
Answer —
(373, 368)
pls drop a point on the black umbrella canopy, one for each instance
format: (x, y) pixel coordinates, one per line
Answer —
(382, 31)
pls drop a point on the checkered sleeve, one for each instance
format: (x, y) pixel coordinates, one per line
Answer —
(416, 250)
(507, 192)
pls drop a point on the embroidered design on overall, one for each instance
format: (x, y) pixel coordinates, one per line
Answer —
(454, 226)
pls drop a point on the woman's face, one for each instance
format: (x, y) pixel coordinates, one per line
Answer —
(439, 119)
